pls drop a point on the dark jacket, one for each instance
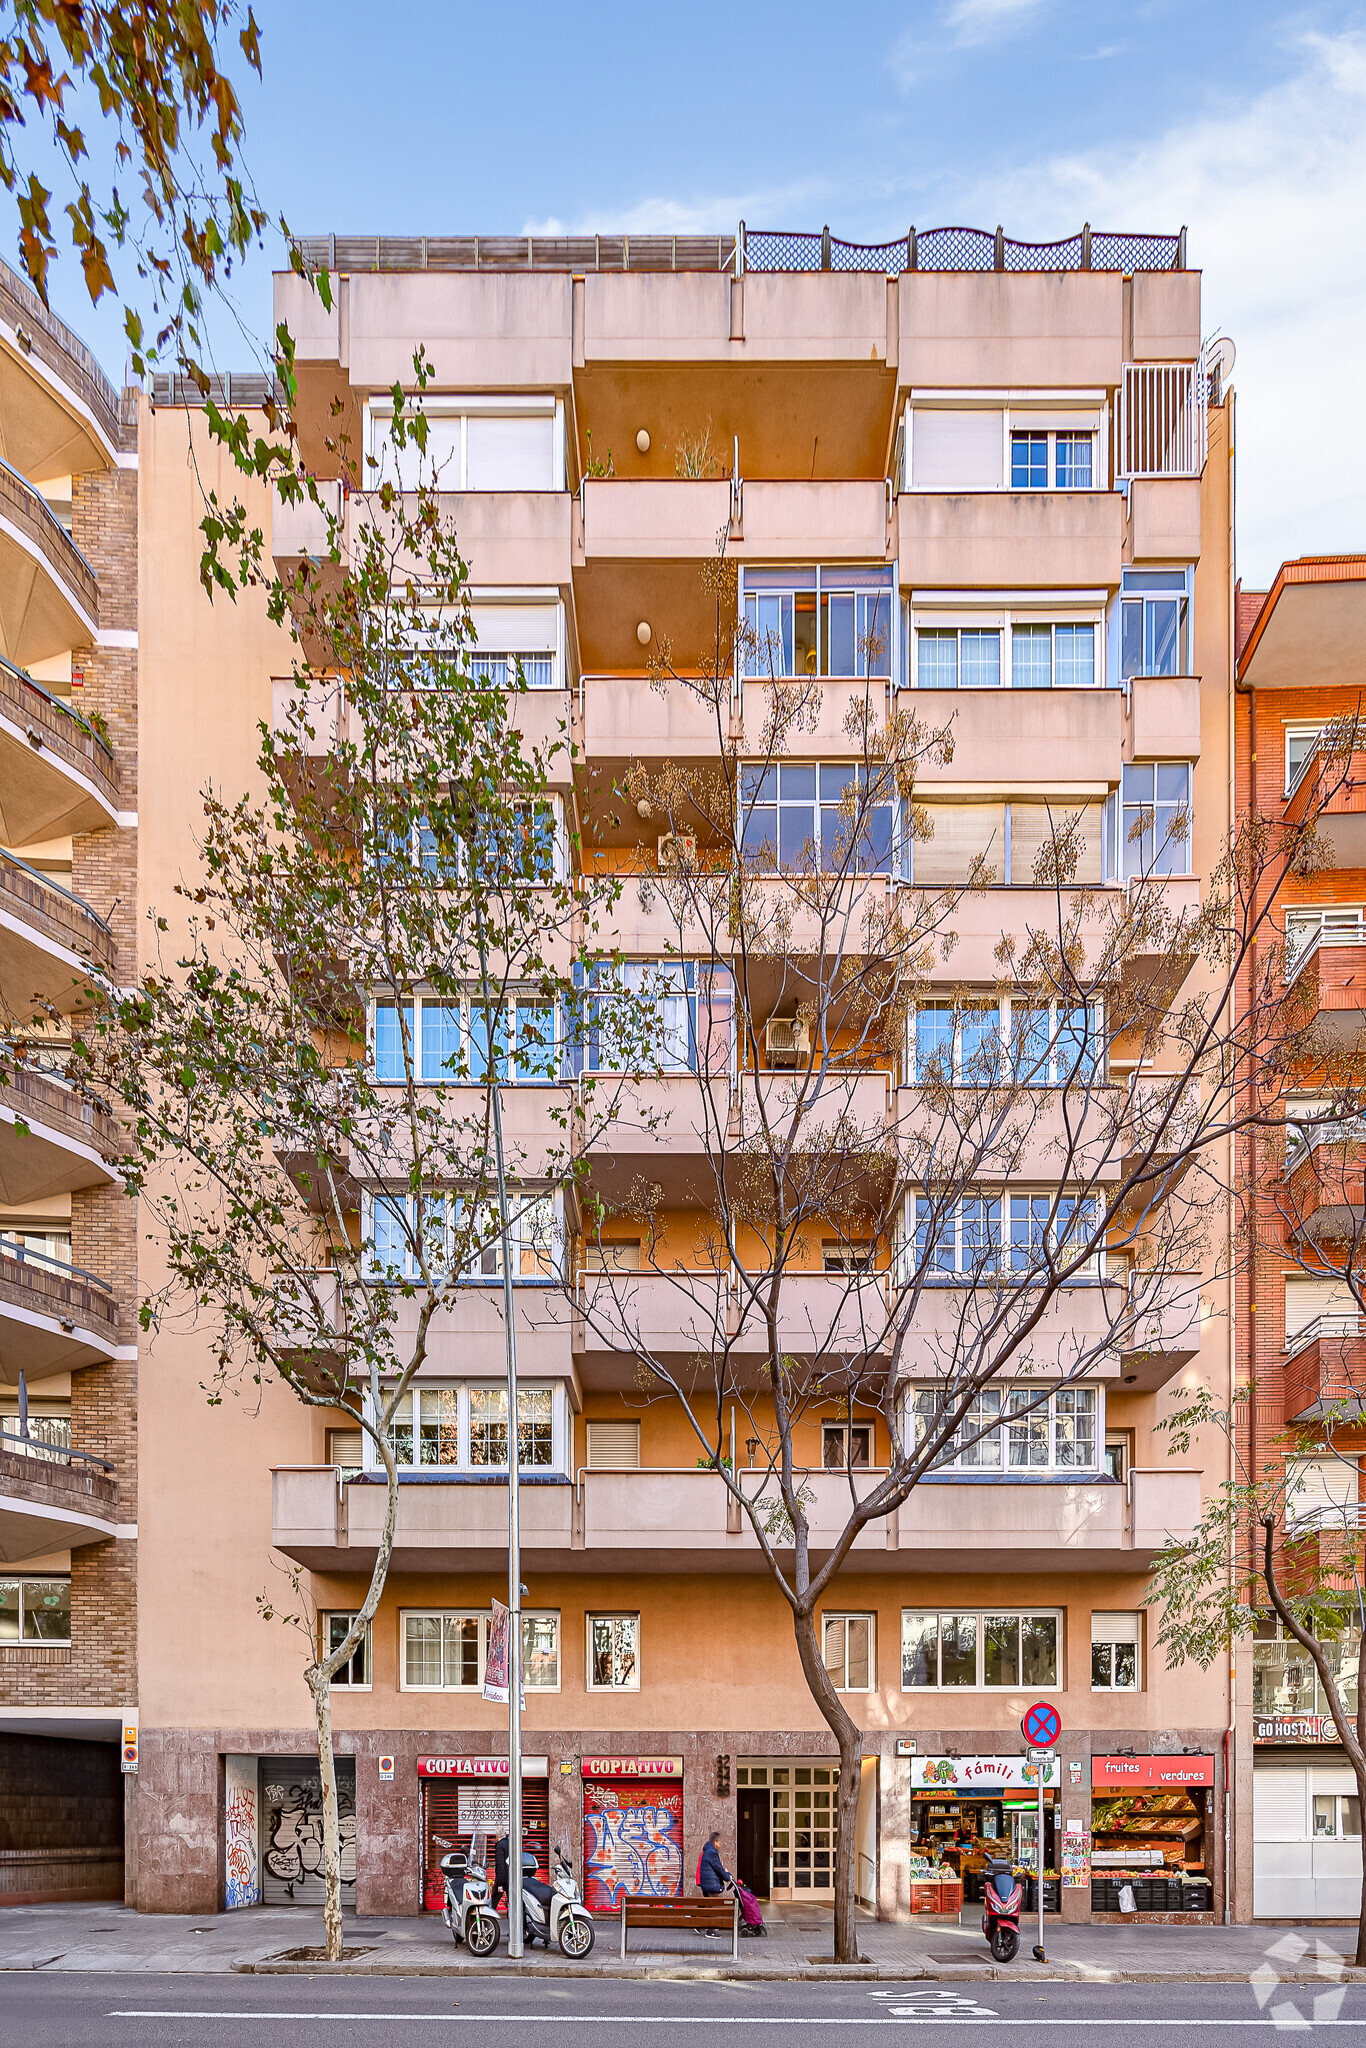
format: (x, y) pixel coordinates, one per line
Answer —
(711, 1870)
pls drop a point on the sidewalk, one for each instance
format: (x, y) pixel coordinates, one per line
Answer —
(110, 1938)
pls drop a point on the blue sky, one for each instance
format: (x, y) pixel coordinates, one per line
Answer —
(1247, 122)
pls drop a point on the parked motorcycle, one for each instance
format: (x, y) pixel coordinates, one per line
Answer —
(1002, 1896)
(467, 1911)
(555, 1911)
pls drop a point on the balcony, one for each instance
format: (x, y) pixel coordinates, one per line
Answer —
(1326, 1370)
(466, 1334)
(674, 1317)
(1164, 519)
(1162, 721)
(1023, 743)
(825, 722)
(1158, 949)
(299, 530)
(1078, 1318)
(57, 776)
(54, 1318)
(1332, 791)
(52, 1499)
(668, 1128)
(1165, 1505)
(1329, 977)
(1007, 540)
(1028, 1140)
(982, 918)
(49, 596)
(858, 1103)
(51, 942)
(506, 538)
(626, 719)
(1159, 1120)
(52, 1141)
(324, 721)
(1323, 1197)
(654, 519)
(1162, 1330)
(810, 520)
(458, 1524)
(61, 413)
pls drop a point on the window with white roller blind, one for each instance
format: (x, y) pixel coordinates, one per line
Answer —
(1035, 826)
(1308, 1300)
(1322, 1492)
(473, 444)
(956, 451)
(961, 833)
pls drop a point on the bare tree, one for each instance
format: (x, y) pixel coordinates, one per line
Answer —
(934, 1183)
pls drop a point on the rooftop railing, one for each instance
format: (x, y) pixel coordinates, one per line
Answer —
(39, 333)
(759, 250)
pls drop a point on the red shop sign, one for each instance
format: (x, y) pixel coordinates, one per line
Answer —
(479, 1767)
(1114, 1773)
(633, 1767)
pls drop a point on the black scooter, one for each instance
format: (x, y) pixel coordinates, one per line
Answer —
(1002, 1897)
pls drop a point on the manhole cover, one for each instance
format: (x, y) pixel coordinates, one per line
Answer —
(964, 1955)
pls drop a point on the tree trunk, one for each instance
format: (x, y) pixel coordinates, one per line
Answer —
(850, 1740)
(332, 1924)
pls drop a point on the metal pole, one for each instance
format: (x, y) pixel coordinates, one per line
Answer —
(1038, 1861)
(514, 1504)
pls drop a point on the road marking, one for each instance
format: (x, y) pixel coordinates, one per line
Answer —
(655, 2019)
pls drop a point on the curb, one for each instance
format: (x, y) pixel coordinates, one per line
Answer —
(915, 1970)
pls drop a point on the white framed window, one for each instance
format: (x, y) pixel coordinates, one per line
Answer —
(1116, 1639)
(445, 1650)
(354, 1675)
(463, 1428)
(1052, 458)
(1157, 823)
(1026, 1430)
(674, 1015)
(1014, 446)
(979, 1234)
(1337, 924)
(1002, 645)
(848, 1648)
(523, 846)
(473, 444)
(1041, 1043)
(846, 1446)
(1322, 1493)
(819, 621)
(613, 1652)
(391, 1224)
(1155, 623)
(799, 815)
(1301, 742)
(440, 1041)
(1337, 1816)
(980, 1650)
(35, 1610)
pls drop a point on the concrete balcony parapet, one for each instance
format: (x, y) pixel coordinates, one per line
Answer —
(1008, 540)
(54, 1318)
(49, 594)
(57, 775)
(52, 1140)
(51, 942)
(52, 1500)
(62, 414)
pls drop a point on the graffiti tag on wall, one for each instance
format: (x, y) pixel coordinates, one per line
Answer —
(631, 1848)
(242, 1886)
(294, 1835)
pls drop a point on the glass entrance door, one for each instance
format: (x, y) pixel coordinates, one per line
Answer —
(801, 1820)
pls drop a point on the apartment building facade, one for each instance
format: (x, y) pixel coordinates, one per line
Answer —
(1298, 674)
(1010, 459)
(68, 1249)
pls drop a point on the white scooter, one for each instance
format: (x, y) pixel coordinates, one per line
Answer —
(555, 1912)
(467, 1911)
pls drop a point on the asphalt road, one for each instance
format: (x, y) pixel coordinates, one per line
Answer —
(89, 2011)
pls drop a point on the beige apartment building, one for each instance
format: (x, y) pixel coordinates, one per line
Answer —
(1013, 455)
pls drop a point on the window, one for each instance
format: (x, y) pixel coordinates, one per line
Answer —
(612, 1255)
(519, 844)
(471, 447)
(42, 1247)
(1056, 1045)
(1042, 655)
(1322, 1493)
(1340, 925)
(1074, 461)
(346, 1450)
(950, 657)
(391, 1224)
(676, 1015)
(356, 1670)
(1300, 745)
(943, 1651)
(804, 814)
(447, 1652)
(1337, 1815)
(841, 1256)
(1114, 1652)
(821, 621)
(1028, 462)
(538, 671)
(1157, 818)
(847, 1641)
(614, 1446)
(49, 1427)
(464, 1429)
(843, 1447)
(1117, 1455)
(613, 1652)
(955, 451)
(1154, 623)
(1042, 1432)
(35, 1610)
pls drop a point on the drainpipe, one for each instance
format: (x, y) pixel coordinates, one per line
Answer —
(1249, 690)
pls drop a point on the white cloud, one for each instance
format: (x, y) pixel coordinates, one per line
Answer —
(716, 213)
(977, 21)
(1271, 191)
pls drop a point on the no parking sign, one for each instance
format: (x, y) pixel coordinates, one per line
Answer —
(1041, 1725)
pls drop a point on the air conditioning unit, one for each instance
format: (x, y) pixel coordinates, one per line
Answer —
(786, 1040)
(675, 848)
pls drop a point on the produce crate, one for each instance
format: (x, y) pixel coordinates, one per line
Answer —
(1195, 1898)
(974, 1886)
(1052, 1895)
(1104, 1895)
(924, 1897)
(950, 1896)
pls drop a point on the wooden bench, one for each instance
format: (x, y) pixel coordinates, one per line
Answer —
(696, 1915)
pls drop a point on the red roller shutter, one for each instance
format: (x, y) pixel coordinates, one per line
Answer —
(632, 1841)
(441, 1816)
